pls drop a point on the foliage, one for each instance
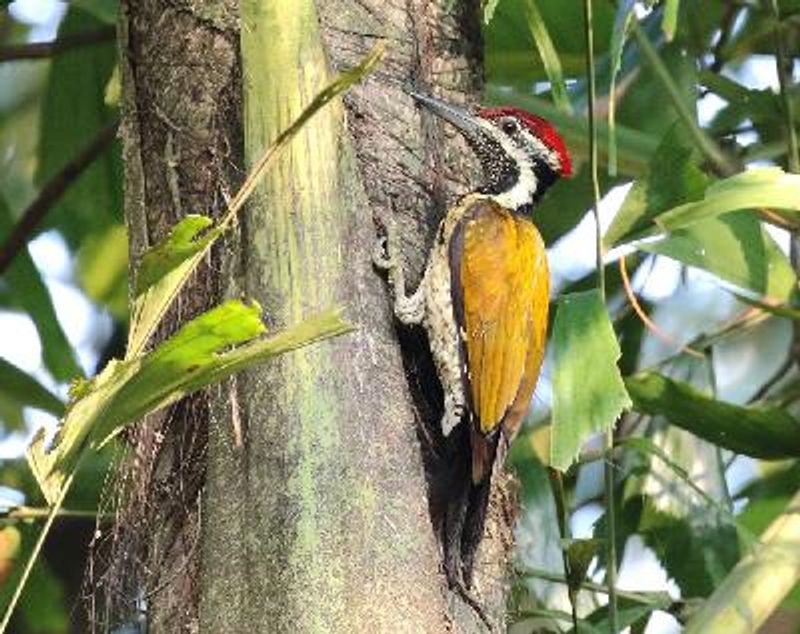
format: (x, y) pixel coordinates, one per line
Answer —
(211, 347)
(706, 194)
(700, 196)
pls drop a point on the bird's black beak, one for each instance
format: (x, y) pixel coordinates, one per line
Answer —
(465, 121)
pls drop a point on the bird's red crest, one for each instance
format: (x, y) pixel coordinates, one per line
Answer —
(538, 126)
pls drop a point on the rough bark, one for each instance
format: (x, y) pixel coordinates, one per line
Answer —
(294, 498)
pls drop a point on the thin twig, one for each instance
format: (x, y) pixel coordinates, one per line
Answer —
(25, 513)
(545, 575)
(787, 365)
(43, 50)
(649, 323)
(608, 465)
(50, 194)
(718, 158)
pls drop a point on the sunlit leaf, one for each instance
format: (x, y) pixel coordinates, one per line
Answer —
(736, 248)
(550, 59)
(752, 189)
(172, 262)
(622, 22)
(584, 402)
(489, 7)
(759, 431)
(190, 236)
(661, 189)
(195, 357)
(669, 21)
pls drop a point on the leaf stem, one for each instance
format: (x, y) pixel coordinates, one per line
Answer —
(712, 151)
(784, 66)
(608, 465)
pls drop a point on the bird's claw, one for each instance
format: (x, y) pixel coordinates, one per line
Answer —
(381, 257)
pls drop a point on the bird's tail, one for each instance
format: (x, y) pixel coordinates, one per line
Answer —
(465, 515)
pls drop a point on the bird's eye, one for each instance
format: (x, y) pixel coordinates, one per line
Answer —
(509, 126)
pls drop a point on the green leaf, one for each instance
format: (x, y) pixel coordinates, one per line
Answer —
(74, 112)
(172, 262)
(734, 247)
(669, 21)
(102, 269)
(630, 613)
(184, 241)
(754, 188)
(508, 51)
(622, 21)
(584, 402)
(758, 583)
(661, 189)
(30, 294)
(760, 431)
(580, 553)
(23, 390)
(547, 51)
(489, 7)
(196, 356)
(105, 10)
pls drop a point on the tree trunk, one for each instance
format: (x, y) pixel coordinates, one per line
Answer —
(294, 498)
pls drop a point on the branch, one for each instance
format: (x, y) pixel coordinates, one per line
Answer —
(43, 50)
(51, 193)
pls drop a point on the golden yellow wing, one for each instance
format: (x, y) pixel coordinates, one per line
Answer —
(501, 308)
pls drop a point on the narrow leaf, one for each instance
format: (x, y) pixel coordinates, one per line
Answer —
(547, 51)
(622, 22)
(758, 583)
(759, 431)
(754, 188)
(669, 22)
(660, 189)
(174, 260)
(185, 240)
(734, 247)
(629, 613)
(489, 7)
(196, 356)
(588, 392)
(25, 391)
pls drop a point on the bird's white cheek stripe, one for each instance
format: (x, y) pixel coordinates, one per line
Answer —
(522, 192)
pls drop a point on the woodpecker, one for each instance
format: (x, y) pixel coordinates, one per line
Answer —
(483, 301)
